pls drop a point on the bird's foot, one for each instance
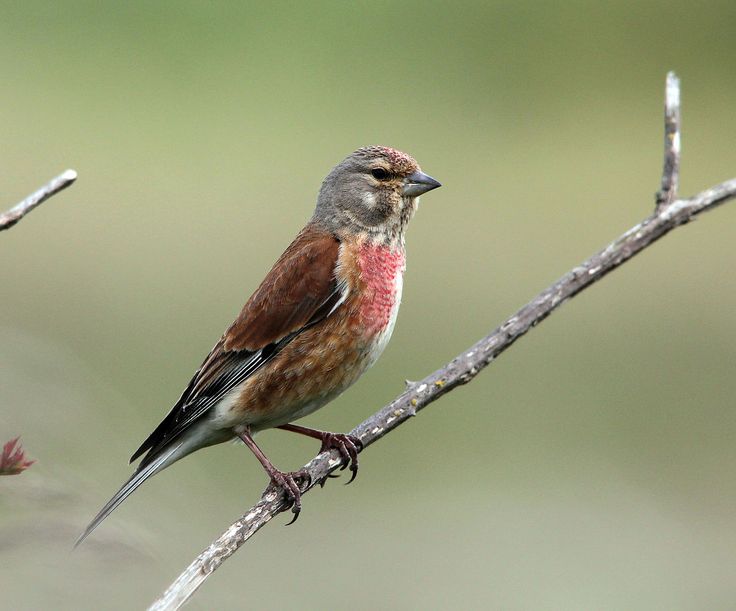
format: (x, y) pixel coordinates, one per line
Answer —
(292, 485)
(348, 446)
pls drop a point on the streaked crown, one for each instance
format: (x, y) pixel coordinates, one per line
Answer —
(372, 193)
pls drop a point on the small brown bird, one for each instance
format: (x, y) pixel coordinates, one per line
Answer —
(320, 318)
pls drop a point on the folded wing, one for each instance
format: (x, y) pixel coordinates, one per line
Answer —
(300, 291)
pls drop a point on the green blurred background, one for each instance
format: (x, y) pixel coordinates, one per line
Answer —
(591, 467)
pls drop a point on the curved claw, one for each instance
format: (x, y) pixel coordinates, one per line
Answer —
(289, 483)
(354, 446)
(348, 446)
(295, 511)
(323, 481)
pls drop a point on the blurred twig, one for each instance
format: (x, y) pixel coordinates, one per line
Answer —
(12, 457)
(671, 170)
(670, 213)
(17, 212)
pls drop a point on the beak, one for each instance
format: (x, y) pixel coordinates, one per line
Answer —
(418, 183)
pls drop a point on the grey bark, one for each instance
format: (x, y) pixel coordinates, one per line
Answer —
(670, 212)
(17, 212)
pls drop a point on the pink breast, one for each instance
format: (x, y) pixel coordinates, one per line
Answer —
(380, 271)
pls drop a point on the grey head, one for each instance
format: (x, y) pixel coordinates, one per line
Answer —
(373, 192)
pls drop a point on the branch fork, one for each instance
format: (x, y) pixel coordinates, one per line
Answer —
(670, 212)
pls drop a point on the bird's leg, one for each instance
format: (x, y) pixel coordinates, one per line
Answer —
(288, 482)
(347, 445)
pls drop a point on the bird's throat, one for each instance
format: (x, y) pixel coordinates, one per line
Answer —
(381, 272)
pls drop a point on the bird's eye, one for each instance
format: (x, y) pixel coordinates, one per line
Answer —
(379, 173)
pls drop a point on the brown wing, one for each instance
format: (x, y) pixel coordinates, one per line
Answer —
(297, 286)
(298, 292)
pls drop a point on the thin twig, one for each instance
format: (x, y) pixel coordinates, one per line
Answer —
(461, 370)
(671, 167)
(17, 212)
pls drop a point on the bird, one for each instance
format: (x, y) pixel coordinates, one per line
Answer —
(321, 317)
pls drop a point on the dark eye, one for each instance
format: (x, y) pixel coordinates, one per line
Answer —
(379, 173)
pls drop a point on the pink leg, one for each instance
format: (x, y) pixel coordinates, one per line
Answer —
(288, 482)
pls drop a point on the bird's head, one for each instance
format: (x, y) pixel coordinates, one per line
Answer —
(373, 192)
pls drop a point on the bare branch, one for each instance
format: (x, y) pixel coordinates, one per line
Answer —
(671, 168)
(462, 369)
(17, 212)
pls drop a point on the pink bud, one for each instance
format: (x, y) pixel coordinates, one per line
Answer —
(13, 458)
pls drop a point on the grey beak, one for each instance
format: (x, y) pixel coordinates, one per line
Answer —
(418, 183)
